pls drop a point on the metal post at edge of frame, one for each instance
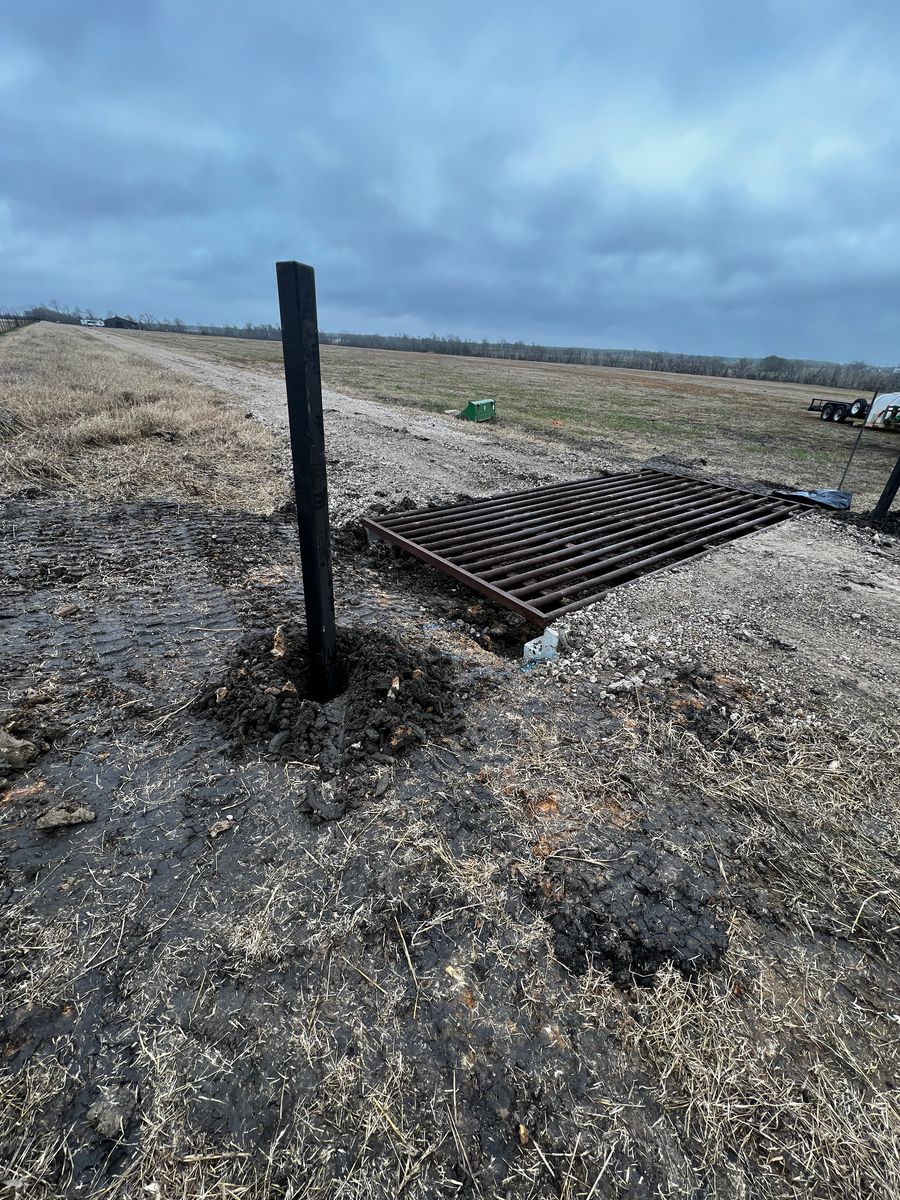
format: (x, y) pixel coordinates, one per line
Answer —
(300, 346)
(890, 491)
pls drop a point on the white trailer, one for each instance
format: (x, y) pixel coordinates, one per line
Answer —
(883, 411)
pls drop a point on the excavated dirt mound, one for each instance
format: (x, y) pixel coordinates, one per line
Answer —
(394, 696)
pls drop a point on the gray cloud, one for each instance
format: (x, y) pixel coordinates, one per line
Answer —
(698, 177)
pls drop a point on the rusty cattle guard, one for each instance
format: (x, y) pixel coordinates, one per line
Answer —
(546, 552)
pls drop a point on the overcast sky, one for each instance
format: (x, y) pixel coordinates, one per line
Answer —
(697, 175)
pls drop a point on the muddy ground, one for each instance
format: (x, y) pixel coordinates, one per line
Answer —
(620, 925)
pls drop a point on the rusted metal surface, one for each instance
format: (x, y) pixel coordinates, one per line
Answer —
(546, 552)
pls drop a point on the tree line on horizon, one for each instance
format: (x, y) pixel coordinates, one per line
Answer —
(772, 368)
(858, 375)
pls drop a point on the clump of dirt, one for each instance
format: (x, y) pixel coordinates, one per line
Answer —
(644, 909)
(28, 729)
(111, 1112)
(503, 633)
(709, 703)
(395, 696)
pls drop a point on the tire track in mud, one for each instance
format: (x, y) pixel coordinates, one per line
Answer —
(119, 614)
(124, 593)
(112, 616)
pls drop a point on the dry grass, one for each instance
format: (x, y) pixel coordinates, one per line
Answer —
(779, 1069)
(741, 428)
(84, 415)
(773, 1082)
(771, 1078)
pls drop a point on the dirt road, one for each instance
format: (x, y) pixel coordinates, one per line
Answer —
(378, 454)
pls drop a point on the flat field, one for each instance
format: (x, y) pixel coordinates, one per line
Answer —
(624, 924)
(738, 429)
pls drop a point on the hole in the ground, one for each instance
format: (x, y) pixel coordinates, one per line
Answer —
(395, 696)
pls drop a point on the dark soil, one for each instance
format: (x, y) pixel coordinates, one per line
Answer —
(642, 909)
(867, 520)
(393, 696)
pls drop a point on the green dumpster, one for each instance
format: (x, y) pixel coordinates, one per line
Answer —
(478, 410)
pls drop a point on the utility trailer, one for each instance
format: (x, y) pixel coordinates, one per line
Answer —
(882, 412)
(840, 410)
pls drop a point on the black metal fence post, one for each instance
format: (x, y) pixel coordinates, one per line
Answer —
(890, 491)
(300, 345)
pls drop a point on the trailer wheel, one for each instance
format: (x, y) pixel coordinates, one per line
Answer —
(840, 412)
(857, 408)
(826, 411)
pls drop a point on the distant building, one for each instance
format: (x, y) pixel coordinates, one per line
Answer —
(120, 323)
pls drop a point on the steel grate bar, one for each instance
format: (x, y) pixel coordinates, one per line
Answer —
(636, 548)
(660, 562)
(548, 551)
(595, 508)
(487, 517)
(589, 551)
(540, 546)
(483, 512)
(494, 504)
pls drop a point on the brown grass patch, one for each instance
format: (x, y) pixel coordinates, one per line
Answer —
(88, 416)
